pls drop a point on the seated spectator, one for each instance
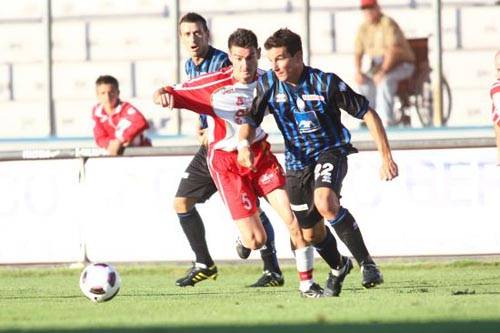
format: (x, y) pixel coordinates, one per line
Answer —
(117, 124)
(391, 59)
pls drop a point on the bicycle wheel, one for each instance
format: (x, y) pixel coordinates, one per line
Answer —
(424, 99)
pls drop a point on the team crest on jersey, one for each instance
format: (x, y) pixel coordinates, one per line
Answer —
(281, 98)
(313, 98)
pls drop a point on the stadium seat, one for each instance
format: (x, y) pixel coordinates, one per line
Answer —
(471, 107)
(74, 118)
(480, 27)
(478, 73)
(346, 26)
(21, 42)
(65, 8)
(231, 5)
(150, 75)
(28, 82)
(151, 38)
(322, 32)
(5, 88)
(24, 119)
(22, 9)
(68, 40)
(76, 80)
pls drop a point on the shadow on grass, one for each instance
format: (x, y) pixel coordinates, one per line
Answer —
(434, 327)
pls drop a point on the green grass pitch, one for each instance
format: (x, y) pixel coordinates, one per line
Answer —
(417, 296)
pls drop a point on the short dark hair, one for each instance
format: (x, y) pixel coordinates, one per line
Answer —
(243, 38)
(194, 18)
(107, 79)
(284, 38)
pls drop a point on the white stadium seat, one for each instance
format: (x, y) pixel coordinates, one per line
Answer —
(150, 75)
(481, 27)
(24, 119)
(322, 32)
(469, 69)
(120, 39)
(471, 107)
(22, 9)
(74, 118)
(64, 8)
(231, 5)
(77, 80)
(21, 42)
(5, 91)
(68, 40)
(29, 82)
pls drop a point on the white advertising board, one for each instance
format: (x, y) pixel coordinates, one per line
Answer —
(445, 202)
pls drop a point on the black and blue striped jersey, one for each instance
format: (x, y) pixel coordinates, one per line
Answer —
(308, 114)
(213, 61)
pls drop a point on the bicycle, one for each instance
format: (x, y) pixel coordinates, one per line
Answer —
(417, 91)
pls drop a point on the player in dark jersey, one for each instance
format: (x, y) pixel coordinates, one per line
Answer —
(197, 186)
(306, 103)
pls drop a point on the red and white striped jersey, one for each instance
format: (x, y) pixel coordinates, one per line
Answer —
(225, 100)
(495, 99)
(126, 124)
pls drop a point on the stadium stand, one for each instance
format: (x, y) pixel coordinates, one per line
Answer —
(133, 40)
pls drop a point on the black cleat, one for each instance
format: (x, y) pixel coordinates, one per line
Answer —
(371, 276)
(197, 274)
(334, 283)
(314, 291)
(243, 252)
(269, 279)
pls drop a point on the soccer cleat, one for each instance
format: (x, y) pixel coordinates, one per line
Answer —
(314, 291)
(269, 279)
(371, 276)
(197, 274)
(334, 283)
(243, 252)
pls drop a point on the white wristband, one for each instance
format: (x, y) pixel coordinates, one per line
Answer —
(242, 144)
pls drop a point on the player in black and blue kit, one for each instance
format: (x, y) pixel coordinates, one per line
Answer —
(306, 104)
(197, 186)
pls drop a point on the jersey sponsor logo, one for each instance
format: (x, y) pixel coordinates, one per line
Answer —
(266, 178)
(313, 97)
(281, 98)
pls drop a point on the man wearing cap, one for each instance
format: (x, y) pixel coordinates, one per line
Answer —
(391, 59)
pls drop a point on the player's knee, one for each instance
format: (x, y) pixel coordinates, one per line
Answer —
(326, 208)
(183, 205)
(255, 241)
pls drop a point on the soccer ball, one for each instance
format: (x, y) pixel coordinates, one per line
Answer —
(100, 282)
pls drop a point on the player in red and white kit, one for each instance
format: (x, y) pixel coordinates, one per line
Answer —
(225, 97)
(495, 98)
(117, 124)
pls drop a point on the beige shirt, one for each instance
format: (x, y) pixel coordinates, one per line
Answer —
(374, 39)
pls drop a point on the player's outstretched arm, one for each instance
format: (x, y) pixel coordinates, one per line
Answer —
(389, 169)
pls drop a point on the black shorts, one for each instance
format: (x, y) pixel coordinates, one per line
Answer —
(329, 171)
(196, 181)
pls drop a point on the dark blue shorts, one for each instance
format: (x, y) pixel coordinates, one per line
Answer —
(328, 171)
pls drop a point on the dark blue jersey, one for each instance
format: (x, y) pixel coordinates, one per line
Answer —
(213, 61)
(308, 114)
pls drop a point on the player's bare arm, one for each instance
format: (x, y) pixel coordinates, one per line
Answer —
(389, 169)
